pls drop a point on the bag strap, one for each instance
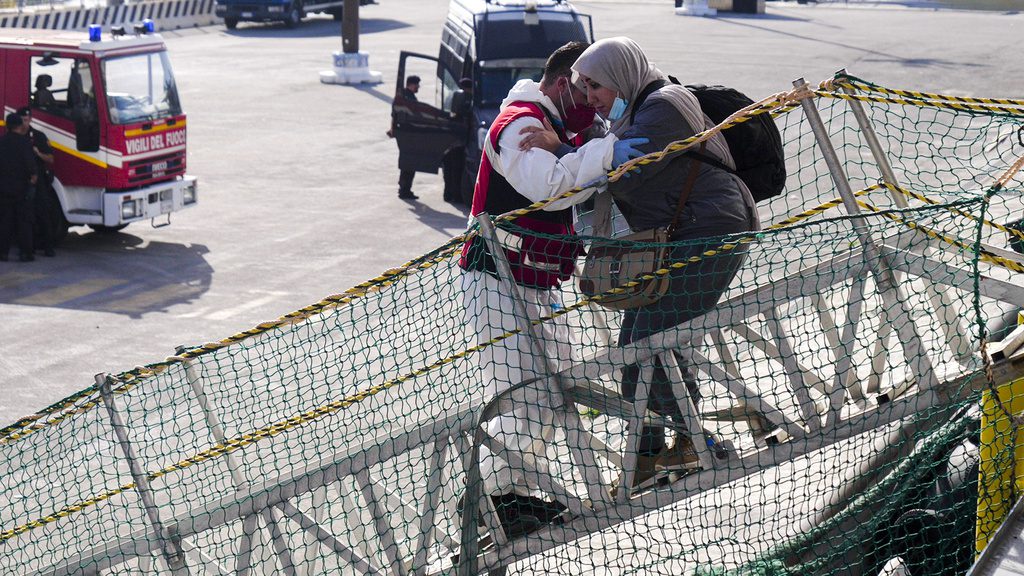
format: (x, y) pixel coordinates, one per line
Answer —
(711, 161)
(642, 96)
(648, 90)
(601, 218)
(691, 180)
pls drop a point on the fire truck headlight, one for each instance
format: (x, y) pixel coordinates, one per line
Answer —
(188, 195)
(129, 209)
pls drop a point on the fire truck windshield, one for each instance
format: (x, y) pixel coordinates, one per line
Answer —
(140, 88)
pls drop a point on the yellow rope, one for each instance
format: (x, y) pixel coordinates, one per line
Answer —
(845, 82)
(982, 254)
(776, 104)
(1012, 111)
(1010, 173)
(925, 199)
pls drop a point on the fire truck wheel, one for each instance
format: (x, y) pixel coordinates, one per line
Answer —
(231, 23)
(107, 229)
(294, 16)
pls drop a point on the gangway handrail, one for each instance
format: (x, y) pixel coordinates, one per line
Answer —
(249, 500)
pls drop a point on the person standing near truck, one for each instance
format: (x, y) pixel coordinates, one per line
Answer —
(17, 178)
(412, 86)
(43, 203)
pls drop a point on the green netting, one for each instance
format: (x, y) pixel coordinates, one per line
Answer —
(833, 399)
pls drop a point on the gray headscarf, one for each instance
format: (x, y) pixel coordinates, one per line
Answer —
(619, 64)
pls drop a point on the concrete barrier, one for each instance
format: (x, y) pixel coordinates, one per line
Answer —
(167, 14)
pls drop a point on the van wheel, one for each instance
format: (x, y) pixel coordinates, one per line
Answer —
(231, 23)
(107, 229)
(294, 16)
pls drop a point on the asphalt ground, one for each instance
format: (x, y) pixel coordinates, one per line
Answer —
(298, 180)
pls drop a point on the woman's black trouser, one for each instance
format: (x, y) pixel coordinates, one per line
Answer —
(694, 290)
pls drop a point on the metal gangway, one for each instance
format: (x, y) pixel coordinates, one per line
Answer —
(906, 280)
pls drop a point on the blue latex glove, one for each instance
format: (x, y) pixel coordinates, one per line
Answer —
(625, 150)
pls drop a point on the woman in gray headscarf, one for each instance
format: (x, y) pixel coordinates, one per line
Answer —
(617, 75)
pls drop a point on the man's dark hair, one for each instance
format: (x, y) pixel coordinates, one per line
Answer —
(412, 80)
(14, 120)
(561, 60)
(24, 111)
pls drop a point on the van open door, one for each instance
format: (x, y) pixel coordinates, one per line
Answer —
(424, 125)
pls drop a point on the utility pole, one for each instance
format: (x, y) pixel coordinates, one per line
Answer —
(350, 65)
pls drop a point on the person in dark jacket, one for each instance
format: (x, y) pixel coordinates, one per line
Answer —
(405, 177)
(44, 204)
(616, 72)
(17, 181)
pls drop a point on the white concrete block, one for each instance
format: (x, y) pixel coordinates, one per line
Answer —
(695, 8)
(351, 69)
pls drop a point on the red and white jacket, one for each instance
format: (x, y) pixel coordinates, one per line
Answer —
(544, 254)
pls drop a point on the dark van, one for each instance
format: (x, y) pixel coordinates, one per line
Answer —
(291, 12)
(486, 47)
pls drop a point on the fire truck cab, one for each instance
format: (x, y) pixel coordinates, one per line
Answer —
(111, 111)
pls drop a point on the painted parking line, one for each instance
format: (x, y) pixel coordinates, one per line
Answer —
(158, 298)
(17, 279)
(236, 311)
(63, 294)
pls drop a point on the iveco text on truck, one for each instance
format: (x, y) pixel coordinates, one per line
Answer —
(110, 108)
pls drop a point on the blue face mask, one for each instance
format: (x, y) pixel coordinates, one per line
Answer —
(618, 109)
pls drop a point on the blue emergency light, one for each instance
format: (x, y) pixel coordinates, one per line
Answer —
(94, 32)
(148, 26)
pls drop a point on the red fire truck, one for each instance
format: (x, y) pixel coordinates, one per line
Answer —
(110, 108)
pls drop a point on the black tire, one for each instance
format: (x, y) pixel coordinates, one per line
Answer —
(231, 23)
(107, 229)
(294, 16)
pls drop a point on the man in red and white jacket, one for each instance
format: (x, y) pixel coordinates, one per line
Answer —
(542, 256)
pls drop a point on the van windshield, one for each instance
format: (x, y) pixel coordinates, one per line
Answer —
(496, 82)
(140, 88)
(506, 35)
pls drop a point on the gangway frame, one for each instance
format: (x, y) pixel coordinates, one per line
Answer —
(441, 435)
(885, 261)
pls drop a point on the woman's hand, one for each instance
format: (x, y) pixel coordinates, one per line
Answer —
(536, 137)
(625, 150)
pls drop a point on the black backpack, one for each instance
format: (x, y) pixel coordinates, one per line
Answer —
(756, 144)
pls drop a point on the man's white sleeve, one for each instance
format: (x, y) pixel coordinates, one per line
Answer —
(538, 174)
